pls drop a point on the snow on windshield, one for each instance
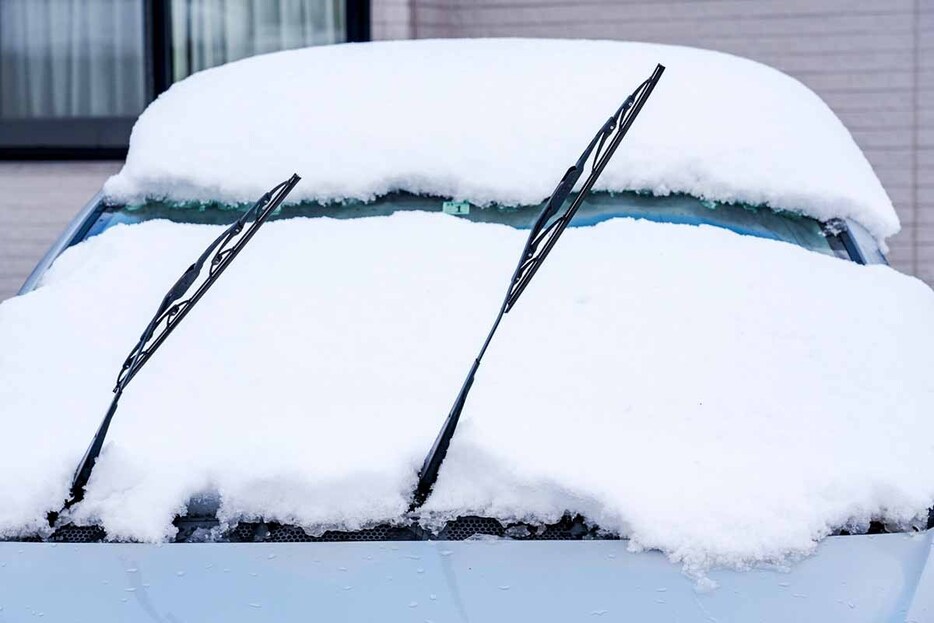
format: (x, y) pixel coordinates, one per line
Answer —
(498, 120)
(718, 397)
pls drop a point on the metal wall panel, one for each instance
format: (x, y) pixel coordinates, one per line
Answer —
(39, 199)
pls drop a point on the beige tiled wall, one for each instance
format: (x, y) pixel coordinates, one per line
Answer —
(37, 201)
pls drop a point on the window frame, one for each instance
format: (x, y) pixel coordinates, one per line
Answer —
(107, 138)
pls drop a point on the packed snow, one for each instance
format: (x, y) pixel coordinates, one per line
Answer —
(724, 399)
(306, 386)
(498, 121)
(714, 396)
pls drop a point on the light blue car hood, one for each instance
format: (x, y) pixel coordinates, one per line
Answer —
(852, 578)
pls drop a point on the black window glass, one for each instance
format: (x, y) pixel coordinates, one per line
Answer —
(71, 59)
(206, 33)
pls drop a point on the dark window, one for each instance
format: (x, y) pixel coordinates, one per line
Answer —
(75, 74)
(206, 33)
(72, 72)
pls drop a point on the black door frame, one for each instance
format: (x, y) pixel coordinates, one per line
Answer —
(107, 138)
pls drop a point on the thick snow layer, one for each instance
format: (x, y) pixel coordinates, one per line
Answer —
(307, 385)
(717, 397)
(721, 398)
(498, 121)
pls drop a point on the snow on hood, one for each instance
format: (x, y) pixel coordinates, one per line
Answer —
(498, 121)
(722, 398)
(718, 397)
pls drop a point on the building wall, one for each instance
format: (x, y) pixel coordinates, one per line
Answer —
(872, 62)
(37, 201)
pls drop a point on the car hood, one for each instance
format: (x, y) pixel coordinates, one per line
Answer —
(854, 578)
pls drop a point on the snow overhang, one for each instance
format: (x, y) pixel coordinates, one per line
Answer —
(498, 121)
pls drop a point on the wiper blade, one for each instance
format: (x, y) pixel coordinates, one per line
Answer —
(174, 308)
(546, 230)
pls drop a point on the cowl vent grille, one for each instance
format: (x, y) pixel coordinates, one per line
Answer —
(203, 529)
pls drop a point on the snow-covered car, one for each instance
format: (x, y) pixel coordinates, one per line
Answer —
(712, 404)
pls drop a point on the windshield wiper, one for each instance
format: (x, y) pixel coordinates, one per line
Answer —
(545, 232)
(173, 309)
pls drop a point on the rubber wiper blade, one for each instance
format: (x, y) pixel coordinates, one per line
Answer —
(173, 308)
(546, 230)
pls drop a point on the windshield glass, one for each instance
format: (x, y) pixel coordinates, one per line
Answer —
(744, 219)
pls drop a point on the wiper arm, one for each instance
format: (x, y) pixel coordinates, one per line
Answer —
(173, 309)
(546, 230)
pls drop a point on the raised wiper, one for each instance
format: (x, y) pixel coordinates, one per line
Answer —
(173, 309)
(549, 225)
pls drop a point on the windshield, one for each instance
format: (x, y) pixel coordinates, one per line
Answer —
(200, 522)
(745, 219)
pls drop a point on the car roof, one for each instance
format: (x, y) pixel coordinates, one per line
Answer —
(498, 121)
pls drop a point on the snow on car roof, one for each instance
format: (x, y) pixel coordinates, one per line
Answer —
(498, 121)
(722, 398)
